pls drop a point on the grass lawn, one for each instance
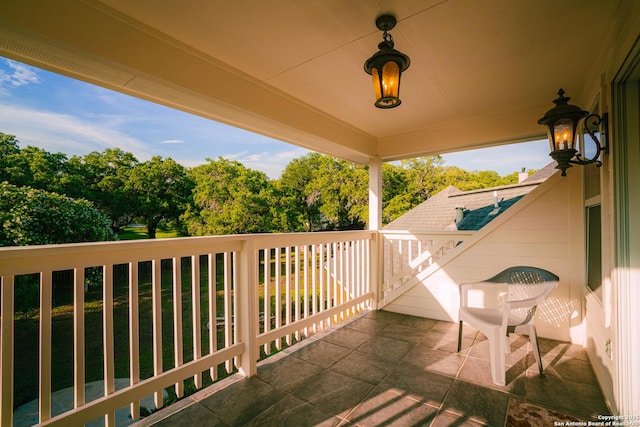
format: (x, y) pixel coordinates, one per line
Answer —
(139, 232)
(27, 330)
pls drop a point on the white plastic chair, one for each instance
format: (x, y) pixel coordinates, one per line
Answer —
(516, 293)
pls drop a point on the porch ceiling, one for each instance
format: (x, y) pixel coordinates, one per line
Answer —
(481, 74)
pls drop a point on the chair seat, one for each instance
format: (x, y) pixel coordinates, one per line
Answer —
(488, 317)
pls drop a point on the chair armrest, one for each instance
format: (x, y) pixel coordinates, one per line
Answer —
(464, 289)
(523, 303)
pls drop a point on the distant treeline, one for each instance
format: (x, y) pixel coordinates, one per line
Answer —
(52, 198)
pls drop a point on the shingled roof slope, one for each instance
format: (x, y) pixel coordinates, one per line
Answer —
(544, 173)
(453, 209)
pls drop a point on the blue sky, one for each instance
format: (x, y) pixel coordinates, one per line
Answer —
(59, 114)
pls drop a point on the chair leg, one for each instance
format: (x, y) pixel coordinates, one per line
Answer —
(533, 337)
(460, 336)
(497, 356)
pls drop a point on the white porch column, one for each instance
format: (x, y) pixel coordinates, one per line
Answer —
(375, 223)
(375, 194)
(246, 315)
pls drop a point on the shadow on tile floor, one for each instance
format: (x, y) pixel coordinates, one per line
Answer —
(383, 369)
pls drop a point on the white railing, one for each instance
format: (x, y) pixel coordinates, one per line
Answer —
(225, 299)
(410, 256)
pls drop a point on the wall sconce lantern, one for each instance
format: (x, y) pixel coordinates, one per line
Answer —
(386, 66)
(562, 123)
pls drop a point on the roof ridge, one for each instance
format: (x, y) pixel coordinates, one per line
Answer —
(500, 187)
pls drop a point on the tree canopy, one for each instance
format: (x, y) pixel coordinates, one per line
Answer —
(36, 217)
(160, 189)
(314, 193)
(229, 198)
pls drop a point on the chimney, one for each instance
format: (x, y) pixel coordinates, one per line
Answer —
(495, 200)
(459, 214)
(522, 175)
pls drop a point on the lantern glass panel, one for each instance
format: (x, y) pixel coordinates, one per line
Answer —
(390, 79)
(377, 84)
(563, 131)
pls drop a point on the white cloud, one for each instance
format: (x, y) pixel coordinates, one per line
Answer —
(172, 141)
(70, 135)
(272, 163)
(21, 75)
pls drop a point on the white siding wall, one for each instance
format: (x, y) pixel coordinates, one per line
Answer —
(545, 229)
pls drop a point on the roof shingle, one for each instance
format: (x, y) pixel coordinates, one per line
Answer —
(453, 209)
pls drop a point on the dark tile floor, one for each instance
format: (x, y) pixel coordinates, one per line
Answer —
(383, 368)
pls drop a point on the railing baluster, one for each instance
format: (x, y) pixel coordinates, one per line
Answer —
(321, 284)
(195, 303)
(346, 276)
(277, 269)
(314, 284)
(365, 268)
(235, 271)
(78, 338)
(156, 301)
(330, 271)
(296, 281)
(176, 266)
(7, 347)
(267, 296)
(354, 269)
(228, 307)
(342, 281)
(287, 303)
(134, 334)
(45, 345)
(109, 356)
(357, 265)
(305, 296)
(335, 295)
(212, 260)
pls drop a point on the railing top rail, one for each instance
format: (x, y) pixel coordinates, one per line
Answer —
(286, 239)
(28, 259)
(440, 233)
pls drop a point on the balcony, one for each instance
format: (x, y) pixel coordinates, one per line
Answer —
(383, 368)
(283, 294)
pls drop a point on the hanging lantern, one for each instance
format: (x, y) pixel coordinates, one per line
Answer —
(386, 66)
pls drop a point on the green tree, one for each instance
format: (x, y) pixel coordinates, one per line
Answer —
(161, 189)
(344, 197)
(475, 180)
(31, 166)
(394, 187)
(8, 150)
(102, 178)
(229, 198)
(298, 200)
(325, 193)
(421, 178)
(36, 217)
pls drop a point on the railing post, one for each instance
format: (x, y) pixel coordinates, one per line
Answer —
(246, 317)
(375, 268)
(6, 347)
(375, 224)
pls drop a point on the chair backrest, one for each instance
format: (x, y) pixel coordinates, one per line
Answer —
(526, 283)
(523, 275)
